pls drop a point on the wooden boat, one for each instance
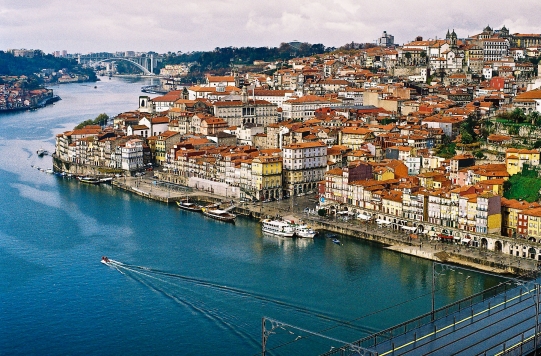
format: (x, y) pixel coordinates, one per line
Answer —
(186, 205)
(89, 180)
(218, 214)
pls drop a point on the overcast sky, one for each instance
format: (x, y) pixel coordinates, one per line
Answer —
(191, 25)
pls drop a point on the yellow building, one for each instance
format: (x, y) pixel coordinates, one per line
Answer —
(267, 177)
(383, 173)
(355, 137)
(164, 142)
(515, 159)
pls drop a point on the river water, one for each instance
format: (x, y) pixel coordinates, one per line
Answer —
(188, 285)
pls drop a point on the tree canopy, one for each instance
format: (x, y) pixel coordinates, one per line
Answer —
(11, 65)
(101, 120)
(524, 185)
(224, 58)
(467, 131)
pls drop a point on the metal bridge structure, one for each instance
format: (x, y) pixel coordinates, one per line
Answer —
(146, 63)
(502, 320)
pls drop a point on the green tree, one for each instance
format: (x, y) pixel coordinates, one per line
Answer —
(524, 185)
(478, 154)
(423, 56)
(467, 130)
(513, 130)
(518, 116)
(534, 118)
(408, 56)
(101, 120)
(446, 150)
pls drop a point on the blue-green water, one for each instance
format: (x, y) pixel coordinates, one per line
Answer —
(191, 285)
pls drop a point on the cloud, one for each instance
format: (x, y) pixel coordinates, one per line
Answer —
(162, 26)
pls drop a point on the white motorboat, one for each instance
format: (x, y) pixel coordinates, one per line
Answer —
(305, 231)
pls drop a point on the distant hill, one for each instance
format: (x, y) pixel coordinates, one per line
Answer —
(224, 58)
(40, 65)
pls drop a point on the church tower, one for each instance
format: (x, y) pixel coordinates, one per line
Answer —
(453, 40)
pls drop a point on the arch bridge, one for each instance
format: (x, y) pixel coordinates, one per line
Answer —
(112, 60)
(145, 63)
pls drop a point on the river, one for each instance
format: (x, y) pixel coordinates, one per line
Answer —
(187, 285)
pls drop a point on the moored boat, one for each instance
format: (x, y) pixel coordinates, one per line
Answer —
(219, 214)
(278, 227)
(186, 205)
(106, 180)
(42, 152)
(305, 231)
(89, 180)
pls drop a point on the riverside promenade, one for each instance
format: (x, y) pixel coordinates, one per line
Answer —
(296, 209)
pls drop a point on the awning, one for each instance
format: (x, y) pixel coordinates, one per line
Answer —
(447, 237)
(465, 241)
(409, 228)
(457, 237)
(364, 217)
(384, 222)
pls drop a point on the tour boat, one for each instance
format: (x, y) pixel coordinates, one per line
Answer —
(304, 231)
(186, 205)
(218, 214)
(278, 227)
(105, 260)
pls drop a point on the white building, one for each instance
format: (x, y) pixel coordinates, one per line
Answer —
(276, 97)
(495, 49)
(303, 108)
(132, 155)
(304, 165)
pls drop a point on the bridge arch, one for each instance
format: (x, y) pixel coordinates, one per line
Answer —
(145, 71)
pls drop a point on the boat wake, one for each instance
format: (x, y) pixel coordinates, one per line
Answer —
(146, 276)
(157, 280)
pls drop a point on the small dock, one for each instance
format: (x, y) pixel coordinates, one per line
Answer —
(155, 190)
